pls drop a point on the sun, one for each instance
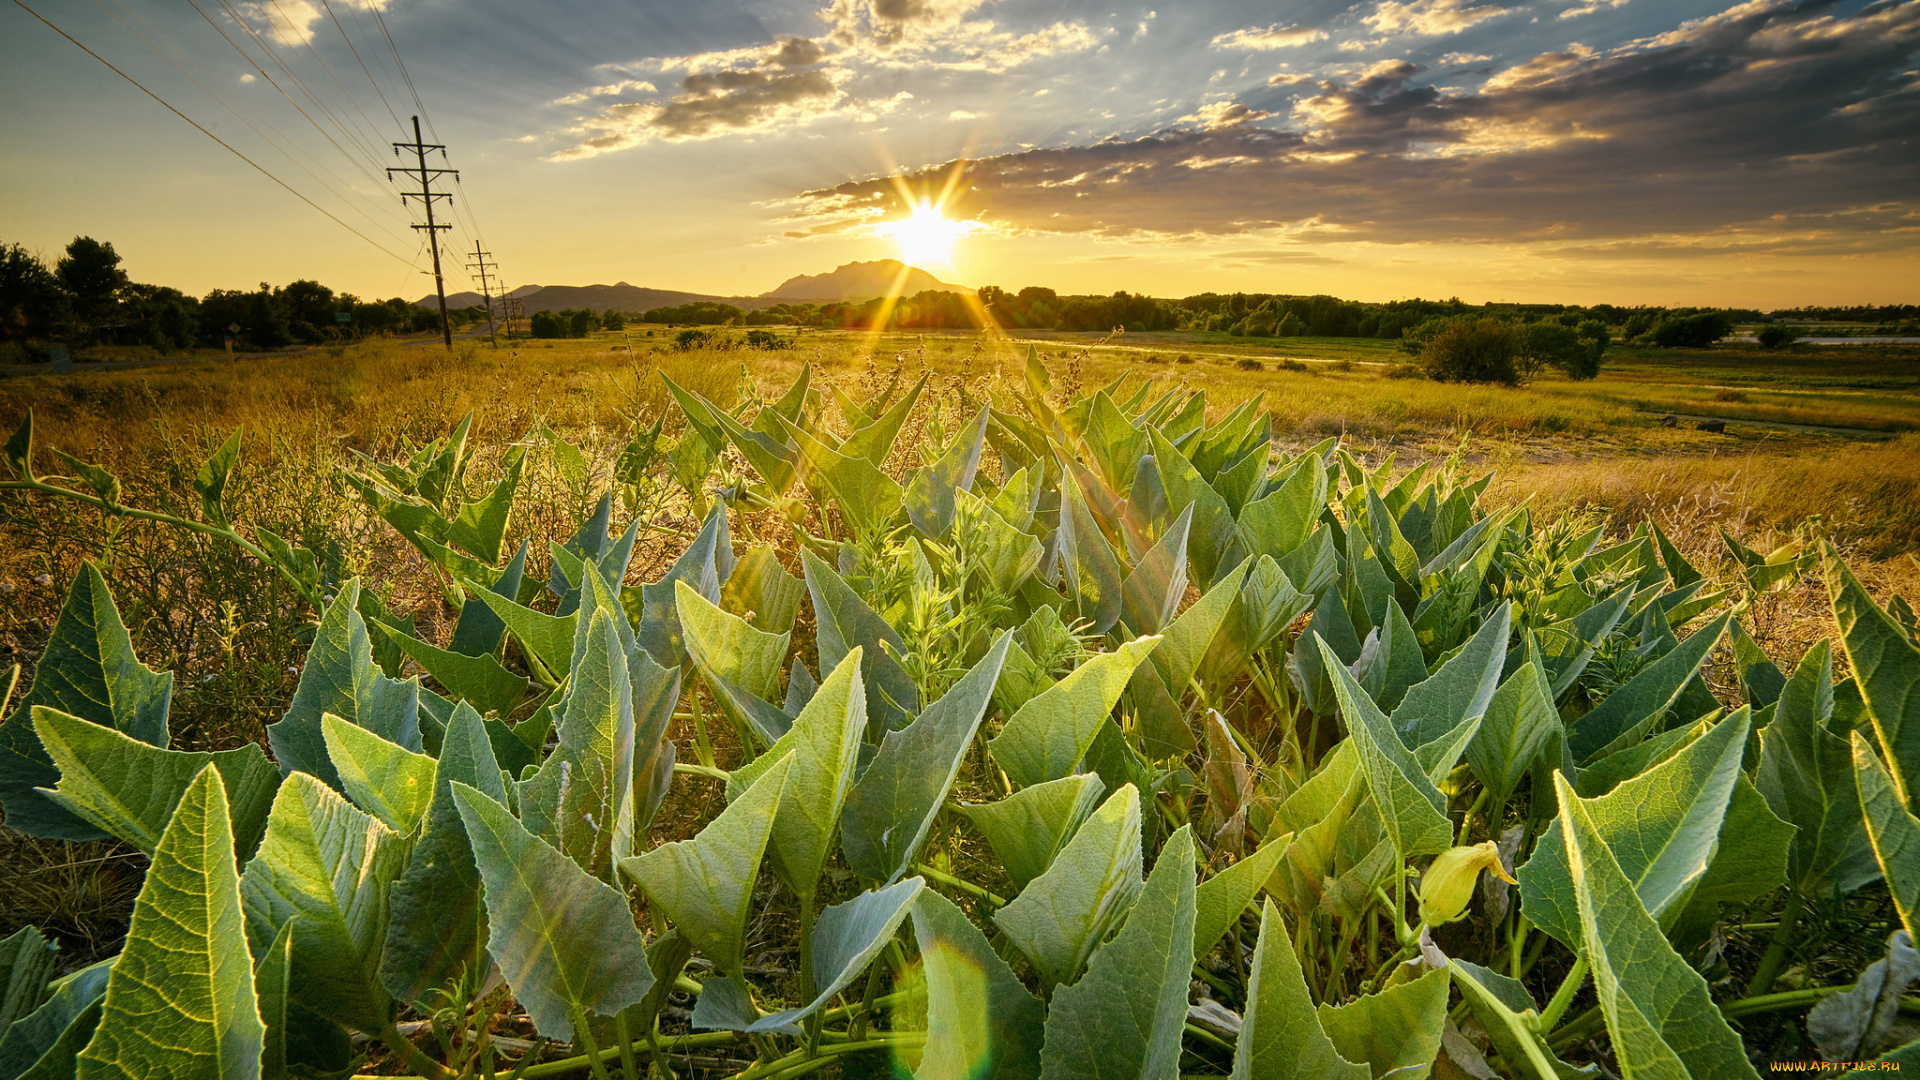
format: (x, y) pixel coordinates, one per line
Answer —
(926, 236)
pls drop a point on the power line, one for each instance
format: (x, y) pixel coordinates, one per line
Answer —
(482, 266)
(21, 4)
(426, 195)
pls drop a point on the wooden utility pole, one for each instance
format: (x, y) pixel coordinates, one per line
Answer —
(426, 195)
(481, 266)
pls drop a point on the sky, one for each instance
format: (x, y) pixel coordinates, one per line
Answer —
(1762, 154)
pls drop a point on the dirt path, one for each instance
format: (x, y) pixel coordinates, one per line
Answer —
(1781, 425)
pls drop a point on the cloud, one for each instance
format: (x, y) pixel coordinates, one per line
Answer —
(1262, 39)
(1769, 119)
(1430, 18)
(246, 77)
(798, 80)
(291, 22)
(1588, 7)
(962, 114)
(1288, 78)
(1458, 59)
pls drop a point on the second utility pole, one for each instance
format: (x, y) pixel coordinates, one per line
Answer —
(426, 195)
(481, 266)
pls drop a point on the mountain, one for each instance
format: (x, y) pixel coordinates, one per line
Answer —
(862, 281)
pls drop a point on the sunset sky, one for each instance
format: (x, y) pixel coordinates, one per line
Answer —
(1629, 151)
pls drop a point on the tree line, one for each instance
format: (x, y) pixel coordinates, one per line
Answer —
(87, 298)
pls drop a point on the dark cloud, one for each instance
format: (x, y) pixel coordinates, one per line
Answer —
(740, 99)
(1772, 114)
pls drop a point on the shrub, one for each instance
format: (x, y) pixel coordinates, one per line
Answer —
(1248, 363)
(1776, 336)
(1696, 331)
(1472, 350)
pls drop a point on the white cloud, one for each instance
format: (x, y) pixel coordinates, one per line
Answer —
(246, 77)
(1288, 78)
(1455, 59)
(291, 22)
(1266, 38)
(962, 114)
(1429, 18)
(624, 86)
(1588, 7)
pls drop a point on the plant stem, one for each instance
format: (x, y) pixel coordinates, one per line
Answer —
(1776, 955)
(696, 1041)
(412, 1055)
(701, 747)
(620, 1032)
(688, 768)
(1563, 997)
(583, 1035)
(962, 884)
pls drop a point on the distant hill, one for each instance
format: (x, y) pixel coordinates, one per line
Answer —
(854, 281)
(862, 281)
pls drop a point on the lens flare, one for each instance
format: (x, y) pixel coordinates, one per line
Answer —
(926, 236)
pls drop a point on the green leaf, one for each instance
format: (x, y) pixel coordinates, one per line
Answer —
(1658, 1010)
(387, 781)
(26, 962)
(478, 679)
(762, 592)
(438, 925)
(874, 441)
(705, 885)
(982, 1024)
(868, 498)
(1391, 661)
(1462, 688)
(19, 449)
(826, 739)
(1088, 566)
(1895, 833)
(574, 802)
(1760, 680)
(706, 563)
(273, 986)
(478, 631)
(1638, 704)
(1520, 725)
(1212, 537)
(1568, 645)
(210, 479)
(129, 790)
(1280, 521)
(1411, 807)
(1661, 827)
(547, 638)
(480, 526)
(893, 805)
(88, 670)
(842, 620)
(1510, 1018)
(1865, 1019)
(1224, 896)
(1887, 666)
(1807, 775)
(729, 646)
(1151, 594)
(1065, 912)
(564, 940)
(1396, 1031)
(1046, 739)
(932, 491)
(329, 866)
(1189, 637)
(180, 1000)
(341, 678)
(1125, 1018)
(46, 1041)
(845, 940)
(1029, 827)
(1280, 1036)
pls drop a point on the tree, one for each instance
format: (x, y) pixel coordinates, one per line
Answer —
(580, 323)
(32, 304)
(1575, 350)
(1776, 336)
(91, 272)
(612, 320)
(1465, 348)
(1695, 331)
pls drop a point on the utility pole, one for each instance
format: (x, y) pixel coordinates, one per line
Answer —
(426, 195)
(481, 266)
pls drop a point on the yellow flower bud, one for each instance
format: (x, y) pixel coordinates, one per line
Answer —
(1449, 881)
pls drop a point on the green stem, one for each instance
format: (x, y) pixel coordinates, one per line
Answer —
(1516, 946)
(1563, 997)
(962, 884)
(701, 747)
(687, 768)
(697, 1041)
(583, 1035)
(412, 1055)
(1776, 955)
(627, 1063)
(858, 1030)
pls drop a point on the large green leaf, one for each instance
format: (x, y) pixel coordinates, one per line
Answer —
(180, 1001)
(1887, 666)
(88, 669)
(1090, 571)
(1187, 639)
(1396, 1031)
(867, 497)
(1224, 896)
(1865, 1019)
(845, 940)
(341, 678)
(706, 884)
(1065, 912)
(1124, 1019)
(1637, 705)
(1046, 739)
(1212, 537)
(387, 781)
(547, 638)
(1662, 828)
(129, 789)
(1151, 594)
(706, 564)
(1807, 775)
(1029, 827)
(933, 490)
(874, 441)
(1520, 725)
(1279, 521)
(825, 741)
(564, 940)
(1280, 1035)
(1662, 1018)
(762, 592)
(478, 679)
(330, 867)
(729, 646)
(438, 925)
(1411, 807)
(1760, 680)
(982, 1024)
(479, 526)
(1895, 833)
(574, 802)
(893, 805)
(842, 620)
(46, 1041)
(26, 963)
(478, 631)
(1463, 687)
(1511, 1019)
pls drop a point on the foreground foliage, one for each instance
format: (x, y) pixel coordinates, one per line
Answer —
(1127, 749)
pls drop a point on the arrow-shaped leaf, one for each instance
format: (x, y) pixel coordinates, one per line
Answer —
(845, 940)
(1029, 827)
(1048, 736)
(1065, 912)
(1411, 807)
(1280, 1036)
(341, 678)
(391, 783)
(982, 1024)
(1895, 833)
